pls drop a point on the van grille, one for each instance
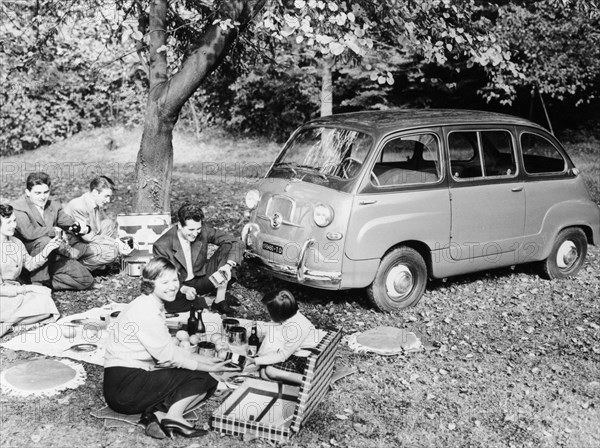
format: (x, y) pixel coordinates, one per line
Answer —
(282, 205)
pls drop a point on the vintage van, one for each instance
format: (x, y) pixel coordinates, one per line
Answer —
(385, 200)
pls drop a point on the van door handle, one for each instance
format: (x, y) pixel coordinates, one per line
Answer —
(515, 189)
(367, 202)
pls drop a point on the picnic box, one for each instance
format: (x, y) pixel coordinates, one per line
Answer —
(145, 228)
(276, 411)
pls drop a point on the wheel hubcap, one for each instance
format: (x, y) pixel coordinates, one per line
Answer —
(567, 255)
(399, 282)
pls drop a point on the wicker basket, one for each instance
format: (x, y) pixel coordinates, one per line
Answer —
(276, 411)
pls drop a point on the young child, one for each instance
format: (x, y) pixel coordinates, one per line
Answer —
(281, 355)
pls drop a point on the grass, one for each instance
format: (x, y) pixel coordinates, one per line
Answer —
(586, 156)
(511, 359)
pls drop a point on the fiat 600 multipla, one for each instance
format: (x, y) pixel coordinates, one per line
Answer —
(385, 200)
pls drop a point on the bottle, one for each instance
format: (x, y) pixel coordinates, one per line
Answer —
(201, 327)
(253, 341)
(192, 323)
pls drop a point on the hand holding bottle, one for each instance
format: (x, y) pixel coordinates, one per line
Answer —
(124, 248)
(52, 245)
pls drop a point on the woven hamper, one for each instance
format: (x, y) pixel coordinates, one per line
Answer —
(275, 411)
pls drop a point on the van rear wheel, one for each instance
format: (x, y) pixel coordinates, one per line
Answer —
(400, 280)
(568, 254)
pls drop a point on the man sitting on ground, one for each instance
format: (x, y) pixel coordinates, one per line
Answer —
(101, 246)
(186, 245)
(40, 219)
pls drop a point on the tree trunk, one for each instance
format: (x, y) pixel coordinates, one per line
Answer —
(326, 88)
(154, 164)
(167, 96)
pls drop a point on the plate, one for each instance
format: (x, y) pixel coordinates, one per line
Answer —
(83, 347)
(78, 321)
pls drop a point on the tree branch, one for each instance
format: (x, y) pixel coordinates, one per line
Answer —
(143, 28)
(158, 39)
(212, 48)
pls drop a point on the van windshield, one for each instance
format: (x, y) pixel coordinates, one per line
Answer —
(328, 156)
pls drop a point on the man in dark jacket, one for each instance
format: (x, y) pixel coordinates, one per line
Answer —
(186, 245)
(40, 219)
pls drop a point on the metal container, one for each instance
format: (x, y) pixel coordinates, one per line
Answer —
(228, 324)
(133, 268)
(206, 348)
(237, 336)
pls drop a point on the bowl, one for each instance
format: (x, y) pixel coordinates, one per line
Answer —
(206, 348)
(192, 348)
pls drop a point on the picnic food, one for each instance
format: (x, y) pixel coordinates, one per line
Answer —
(182, 335)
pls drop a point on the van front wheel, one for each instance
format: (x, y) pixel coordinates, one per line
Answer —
(400, 280)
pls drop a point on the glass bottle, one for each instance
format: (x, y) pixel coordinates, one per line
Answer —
(253, 341)
(201, 326)
(192, 323)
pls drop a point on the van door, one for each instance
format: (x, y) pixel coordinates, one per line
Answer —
(405, 197)
(487, 196)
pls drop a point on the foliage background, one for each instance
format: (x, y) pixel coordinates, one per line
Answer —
(60, 77)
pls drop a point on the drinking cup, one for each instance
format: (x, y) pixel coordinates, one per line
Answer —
(237, 336)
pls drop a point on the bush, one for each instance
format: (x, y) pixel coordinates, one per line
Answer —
(56, 84)
(268, 102)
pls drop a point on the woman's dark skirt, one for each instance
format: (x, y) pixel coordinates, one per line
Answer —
(132, 391)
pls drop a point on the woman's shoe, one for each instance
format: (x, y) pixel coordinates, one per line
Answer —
(152, 426)
(171, 427)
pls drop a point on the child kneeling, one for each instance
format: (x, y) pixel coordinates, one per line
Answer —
(283, 353)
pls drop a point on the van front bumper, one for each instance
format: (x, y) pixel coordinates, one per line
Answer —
(298, 273)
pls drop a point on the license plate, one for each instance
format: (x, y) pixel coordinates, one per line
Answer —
(272, 248)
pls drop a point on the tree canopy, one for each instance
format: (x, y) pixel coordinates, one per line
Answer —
(71, 65)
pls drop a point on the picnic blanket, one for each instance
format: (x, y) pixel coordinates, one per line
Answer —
(384, 341)
(92, 328)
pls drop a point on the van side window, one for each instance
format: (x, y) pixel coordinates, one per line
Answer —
(498, 153)
(540, 155)
(413, 159)
(467, 148)
(465, 162)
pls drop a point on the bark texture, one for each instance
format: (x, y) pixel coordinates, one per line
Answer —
(168, 95)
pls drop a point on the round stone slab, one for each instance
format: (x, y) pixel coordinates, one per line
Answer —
(389, 340)
(39, 375)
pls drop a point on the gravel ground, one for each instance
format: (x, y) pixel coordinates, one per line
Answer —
(510, 360)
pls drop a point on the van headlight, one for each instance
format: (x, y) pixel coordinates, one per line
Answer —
(323, 215)
(252, 198)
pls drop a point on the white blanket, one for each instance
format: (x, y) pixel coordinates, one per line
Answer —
(90, 328)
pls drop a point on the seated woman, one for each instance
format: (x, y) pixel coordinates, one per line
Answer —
(145, 372)
(21, 304)
(283, 353)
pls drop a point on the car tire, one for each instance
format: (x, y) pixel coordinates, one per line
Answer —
(567, 255)
(400, 280)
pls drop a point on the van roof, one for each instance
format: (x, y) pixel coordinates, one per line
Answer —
(397, 119)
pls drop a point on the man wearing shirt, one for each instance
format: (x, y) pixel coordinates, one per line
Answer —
(186, 246)
(100, 247)
(40, 219)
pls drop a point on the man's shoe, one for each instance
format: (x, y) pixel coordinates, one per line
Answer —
(96, 285)
(223, 308)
